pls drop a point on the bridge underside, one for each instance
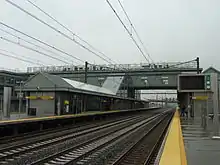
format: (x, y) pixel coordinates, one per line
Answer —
(157, 88)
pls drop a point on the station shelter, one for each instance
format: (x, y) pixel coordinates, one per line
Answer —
(198, 92)
(48, 95)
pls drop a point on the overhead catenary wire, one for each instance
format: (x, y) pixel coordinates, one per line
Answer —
(30, 58)
(53, 28)
(19, 58)
(32, 49)
(66, 28)
(130, 34)
(133, 27)
(56, 30)
(40, 41)
(38, 46)
(16, 30)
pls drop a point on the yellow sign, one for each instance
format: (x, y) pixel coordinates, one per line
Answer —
(31, 97)
(200, 97)
(40, 97)
(66, 102)
(46, 97)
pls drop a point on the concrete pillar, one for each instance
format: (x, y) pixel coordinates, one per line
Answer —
(7, 102)
(215, 90)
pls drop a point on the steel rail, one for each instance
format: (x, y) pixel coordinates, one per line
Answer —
(18, 150)
(73, 154)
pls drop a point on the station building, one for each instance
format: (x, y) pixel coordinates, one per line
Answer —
(199, 92)
(47, 95)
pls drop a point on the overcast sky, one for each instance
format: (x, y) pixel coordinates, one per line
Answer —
(172, 30)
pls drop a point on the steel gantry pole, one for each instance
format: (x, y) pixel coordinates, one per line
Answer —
(86, 72)
(197, 65)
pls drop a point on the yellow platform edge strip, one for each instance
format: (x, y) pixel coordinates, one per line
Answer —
(59, 117)
(174, 150)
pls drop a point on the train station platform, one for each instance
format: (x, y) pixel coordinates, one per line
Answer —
(14, 126)
(200, 147)
(188, 142)
(17, 118)
(14, 119)
(173, 152)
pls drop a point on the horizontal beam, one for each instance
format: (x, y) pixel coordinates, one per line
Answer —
(123, 71)
(150, 93)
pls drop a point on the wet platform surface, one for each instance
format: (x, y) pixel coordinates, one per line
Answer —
(200, 148)
(15, 116)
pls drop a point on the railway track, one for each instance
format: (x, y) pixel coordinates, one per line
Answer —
(85, 153)
(113, 153)
(22, 139)
(32, 151)
(144, 151)
(10, 139)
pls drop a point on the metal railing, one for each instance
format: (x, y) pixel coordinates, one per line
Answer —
(12, 70)
(116, 67)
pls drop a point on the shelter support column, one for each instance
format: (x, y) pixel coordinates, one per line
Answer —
(100, 103)
(166, 103)
(131, 92)
(27, 106)
(84, 103)
(112, 102)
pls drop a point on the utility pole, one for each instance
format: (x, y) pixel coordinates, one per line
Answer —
(84, 97)
(197, 65)
(86, 71)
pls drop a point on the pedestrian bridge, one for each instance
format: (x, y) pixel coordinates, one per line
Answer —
(135, 76)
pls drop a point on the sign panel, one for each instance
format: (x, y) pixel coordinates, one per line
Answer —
(200, 98)
(66, 102)
(195, 82)
(40, 97)
(208, 82)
